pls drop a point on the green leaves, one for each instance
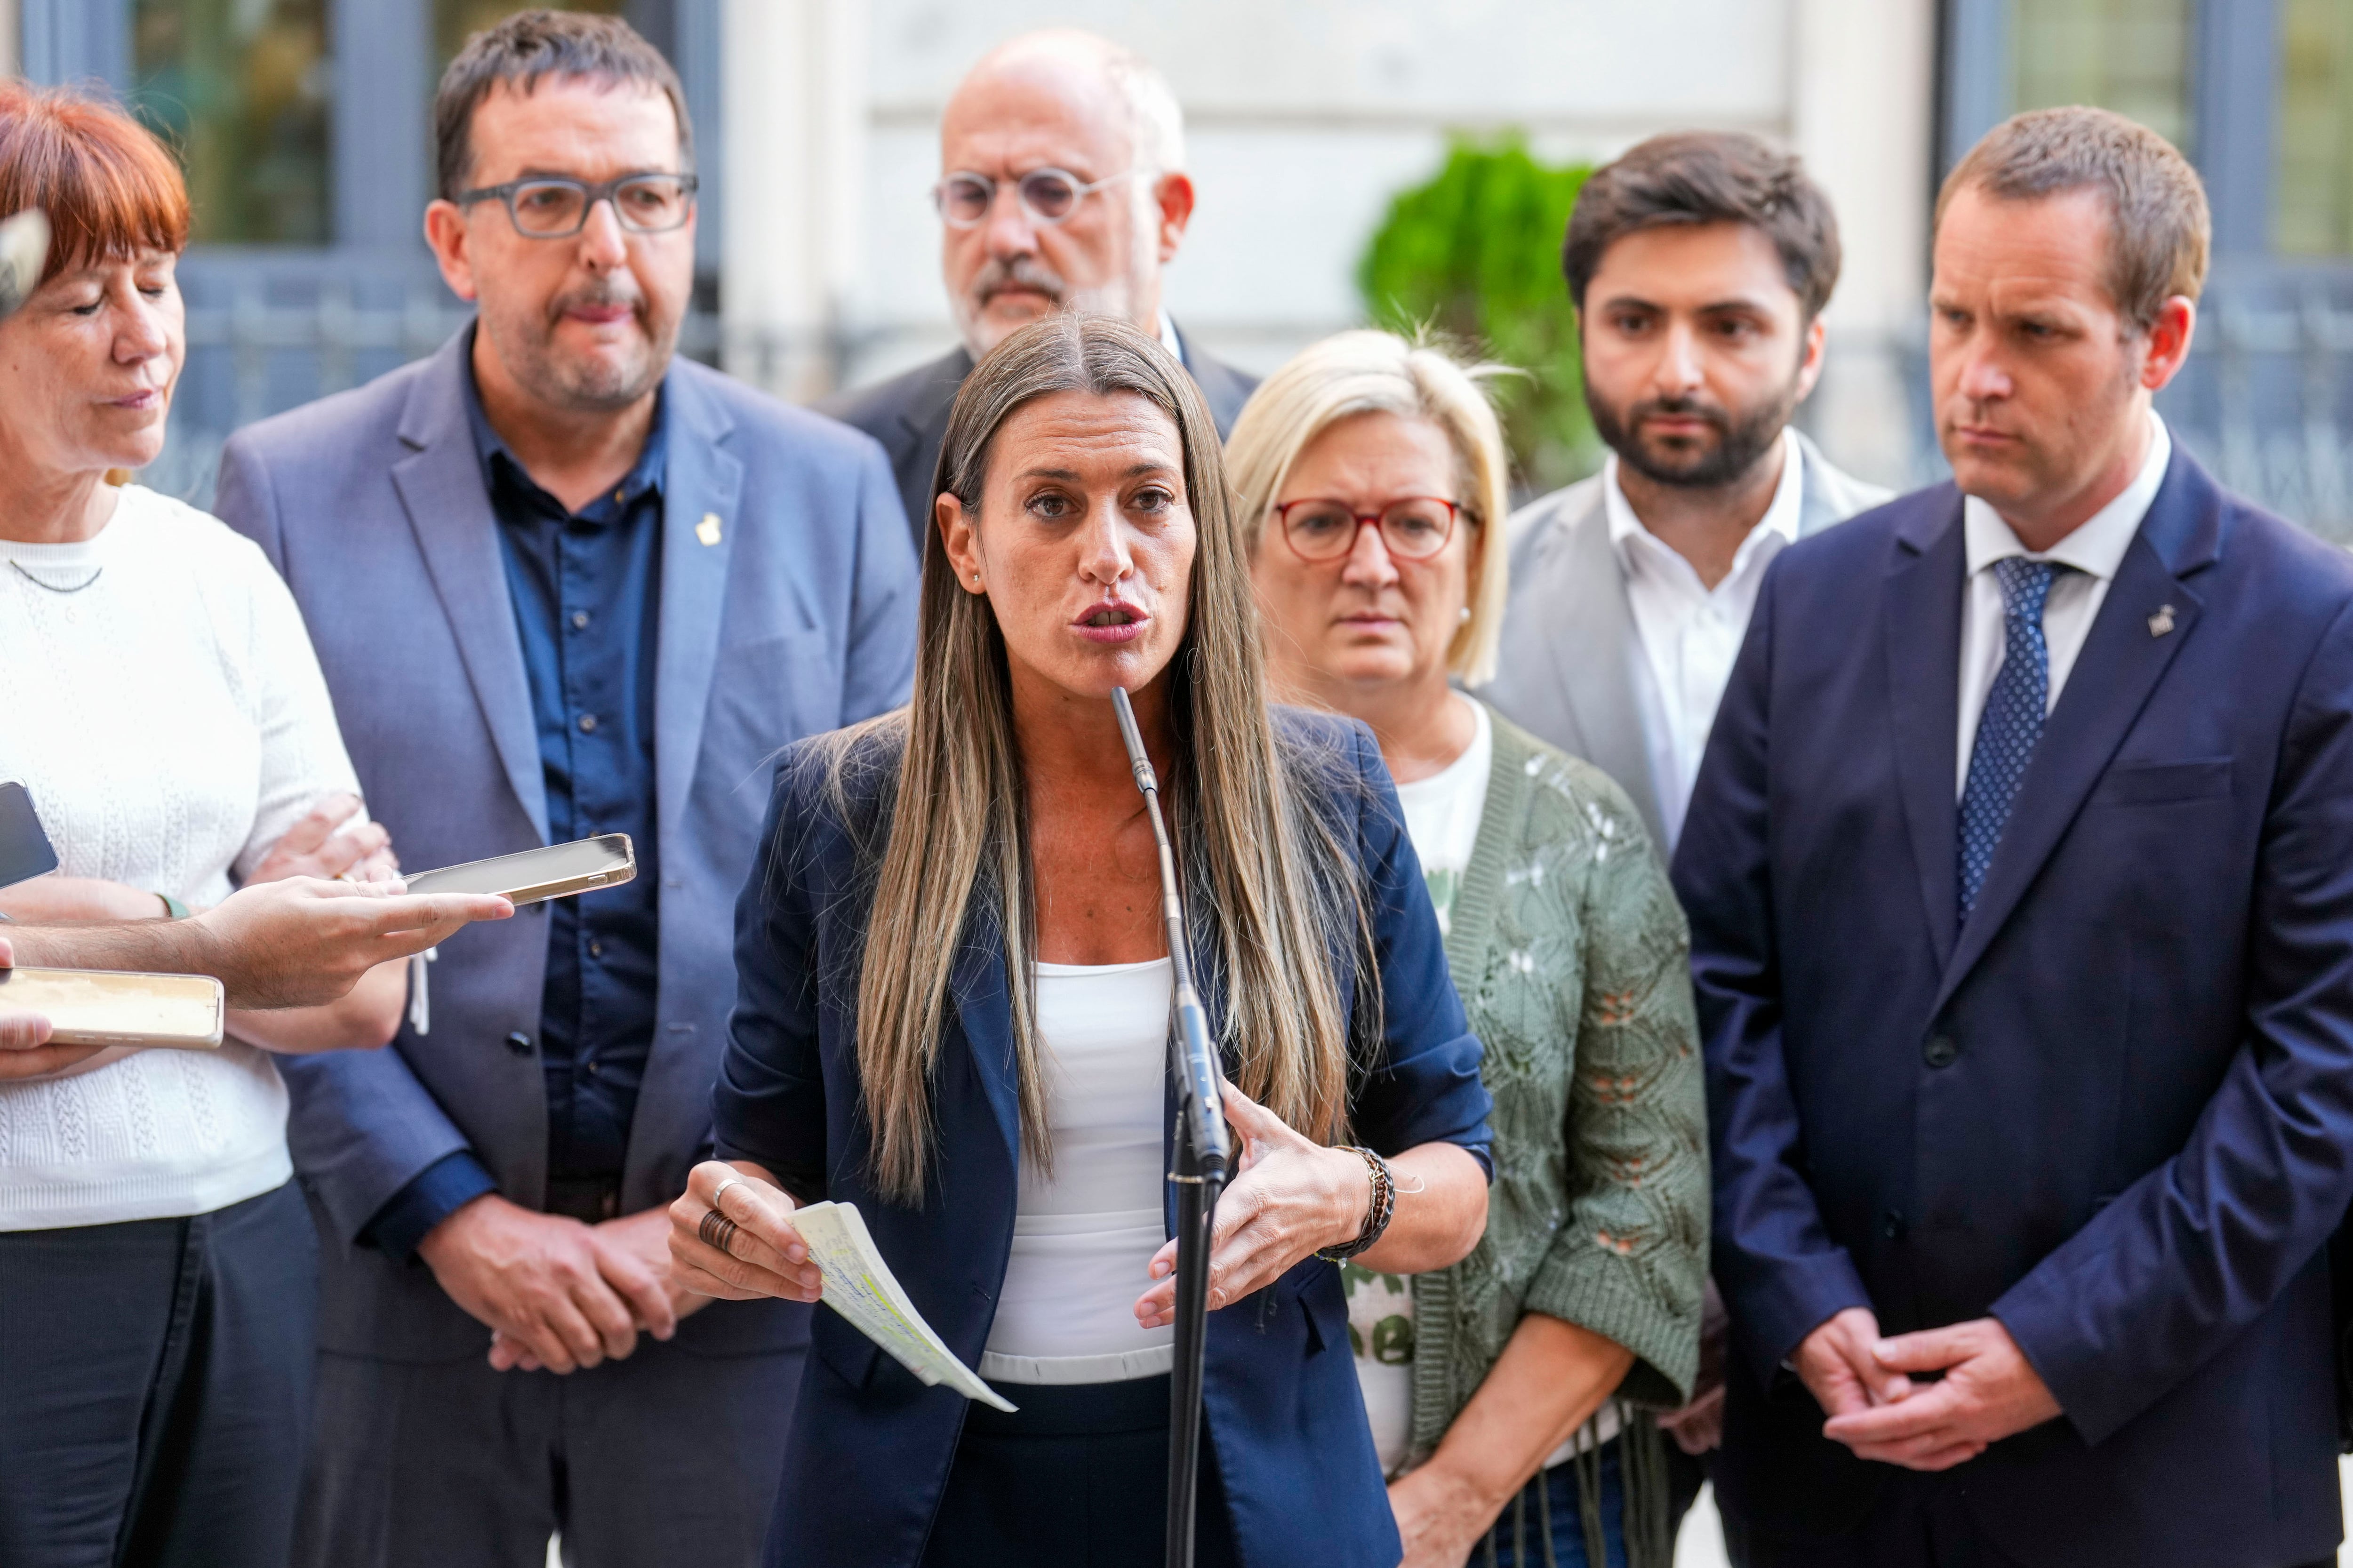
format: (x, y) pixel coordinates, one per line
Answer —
(1475, 255)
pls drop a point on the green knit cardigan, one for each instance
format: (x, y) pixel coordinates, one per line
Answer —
(1573, 960)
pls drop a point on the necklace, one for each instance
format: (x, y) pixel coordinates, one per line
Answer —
(95, 573)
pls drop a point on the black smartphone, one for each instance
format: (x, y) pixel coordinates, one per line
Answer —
(25, 851)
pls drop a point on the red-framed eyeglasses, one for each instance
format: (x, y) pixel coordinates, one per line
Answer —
(1414, 528)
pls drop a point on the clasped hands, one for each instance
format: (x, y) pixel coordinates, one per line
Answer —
(1865, 1385)
(1290, 1196)
(558, 1294)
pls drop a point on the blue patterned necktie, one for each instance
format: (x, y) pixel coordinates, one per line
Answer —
(2012, 720)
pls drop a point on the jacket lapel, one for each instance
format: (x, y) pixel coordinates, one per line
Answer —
(1922, 636)
(1592, 658)
(440, 486)
(2120, 665)
(700, 495)
(984, 1007)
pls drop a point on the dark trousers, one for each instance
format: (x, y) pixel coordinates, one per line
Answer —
(155, 1388)
(1919, 1522)
(1077, 1478)
(668, 1459)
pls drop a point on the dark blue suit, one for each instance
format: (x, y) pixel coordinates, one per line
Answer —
(864, 1474)
(2115, 1109)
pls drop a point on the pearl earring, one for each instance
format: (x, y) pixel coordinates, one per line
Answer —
(1465, 616)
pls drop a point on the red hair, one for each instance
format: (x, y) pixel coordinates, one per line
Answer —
(110, 188)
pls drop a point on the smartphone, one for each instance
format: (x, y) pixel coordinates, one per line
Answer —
(582, 866)
(103, 1007)
(25, 851)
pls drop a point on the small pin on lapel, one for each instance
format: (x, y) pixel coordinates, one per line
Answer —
(2162, 622)
(707, 531)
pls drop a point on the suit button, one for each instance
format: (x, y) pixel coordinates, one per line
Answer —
(1892, 1224)
(519, 1043)
(1939, 1051)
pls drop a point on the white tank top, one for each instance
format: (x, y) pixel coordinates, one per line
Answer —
(1083, 1237)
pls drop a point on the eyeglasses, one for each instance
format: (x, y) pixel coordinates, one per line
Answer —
(548, 208)
(1048, 196)
(1413, 528)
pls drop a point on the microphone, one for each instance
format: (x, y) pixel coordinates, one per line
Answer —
(1202, 1114)
(24, 247)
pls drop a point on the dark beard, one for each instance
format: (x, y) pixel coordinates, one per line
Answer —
(1737, 446)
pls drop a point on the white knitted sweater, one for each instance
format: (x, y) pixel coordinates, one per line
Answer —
(170, 720)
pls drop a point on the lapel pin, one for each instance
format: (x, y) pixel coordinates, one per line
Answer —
(2158, 623)
(707, 531)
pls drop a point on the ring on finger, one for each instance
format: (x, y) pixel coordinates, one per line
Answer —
(716, 1231)
(730, 1181)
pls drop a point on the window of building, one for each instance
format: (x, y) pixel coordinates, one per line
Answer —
(2131, 55)
(2312, 150)
(241, 87)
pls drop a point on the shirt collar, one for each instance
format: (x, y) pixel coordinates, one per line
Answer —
(647, 473)
(2096, 547)
(1168, 338)
(1783, 513)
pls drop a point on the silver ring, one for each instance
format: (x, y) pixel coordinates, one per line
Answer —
(730, 1181)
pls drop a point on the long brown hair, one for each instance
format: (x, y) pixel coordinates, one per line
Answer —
(1275, 900)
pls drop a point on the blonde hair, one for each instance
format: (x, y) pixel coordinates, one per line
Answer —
(1369, 372)
(1273, 896)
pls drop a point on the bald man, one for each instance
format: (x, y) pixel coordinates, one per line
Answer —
(1062, 183)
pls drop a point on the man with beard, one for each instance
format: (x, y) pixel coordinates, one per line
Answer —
(1062, 186)
(1699, 264)
(562, 583)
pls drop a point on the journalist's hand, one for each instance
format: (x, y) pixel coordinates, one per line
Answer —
(536, 1279)
(303, 942)
(633, 1254)
(1293, 1196)
(765, 1256)
(1989, 1391)
(1837, 1365)
(327, 844)
(25, 1050)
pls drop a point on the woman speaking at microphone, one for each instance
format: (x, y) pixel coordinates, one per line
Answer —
(955, 1013)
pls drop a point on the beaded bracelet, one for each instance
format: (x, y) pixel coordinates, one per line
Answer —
(1378, 1217)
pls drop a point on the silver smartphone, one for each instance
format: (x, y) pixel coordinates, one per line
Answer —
(582, 866)
(104, 1007)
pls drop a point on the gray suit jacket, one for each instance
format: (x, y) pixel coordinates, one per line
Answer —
(909, 415)
(1563, 673)
(795, 617)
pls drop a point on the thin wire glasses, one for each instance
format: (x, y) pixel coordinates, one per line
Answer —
(1414, 528)
(1048, 195)
(550, 207)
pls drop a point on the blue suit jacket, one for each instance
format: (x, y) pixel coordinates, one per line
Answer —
(2114, 1109)
(1285, 1411)
(798, 619)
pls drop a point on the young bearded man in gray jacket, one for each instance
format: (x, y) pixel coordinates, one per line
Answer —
(1699, 264)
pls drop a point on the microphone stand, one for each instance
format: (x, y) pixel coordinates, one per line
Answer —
(1200, 1165)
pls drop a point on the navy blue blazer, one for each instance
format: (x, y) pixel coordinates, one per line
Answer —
(787, 609)
(2114, 1109)
(872, 1445)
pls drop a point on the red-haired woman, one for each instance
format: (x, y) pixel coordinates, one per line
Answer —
(157, 1263)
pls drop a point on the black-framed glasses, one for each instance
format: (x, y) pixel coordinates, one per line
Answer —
(1414, 528)
(1048, 195)
(548, 207)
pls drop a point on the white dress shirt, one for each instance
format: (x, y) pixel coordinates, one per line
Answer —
(2095, 549)
(1686, 635)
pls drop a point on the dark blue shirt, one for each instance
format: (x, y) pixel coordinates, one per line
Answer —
(587, 589)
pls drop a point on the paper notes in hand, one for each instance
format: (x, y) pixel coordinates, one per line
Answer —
(859, 1286)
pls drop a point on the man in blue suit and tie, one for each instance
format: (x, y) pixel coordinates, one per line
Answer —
(2020, 879)
(562, 583)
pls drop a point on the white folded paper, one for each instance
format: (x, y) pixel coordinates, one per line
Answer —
(859, 1286)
